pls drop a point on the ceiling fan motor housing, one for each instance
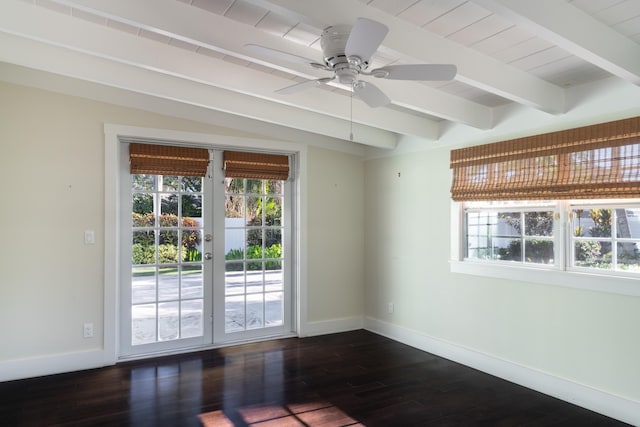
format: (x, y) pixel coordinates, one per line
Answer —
(333, 41)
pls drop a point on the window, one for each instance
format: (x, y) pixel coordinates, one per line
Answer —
(566, 202)
(515, 234)
(606, 237)
(603, 237)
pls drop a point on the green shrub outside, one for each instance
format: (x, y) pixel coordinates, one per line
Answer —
(255, 252)
(167, 254)
(234, 254)
(143, 251)
(588, 252)
(143, 254)
(536, 251)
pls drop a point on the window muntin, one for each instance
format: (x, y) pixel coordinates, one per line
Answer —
(602, 236)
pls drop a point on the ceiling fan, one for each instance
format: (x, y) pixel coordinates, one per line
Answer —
(347, 52)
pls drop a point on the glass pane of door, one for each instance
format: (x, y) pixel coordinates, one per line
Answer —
(167, 270)
(254, 291)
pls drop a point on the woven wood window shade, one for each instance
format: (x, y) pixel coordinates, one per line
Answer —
(591, 162)
(168, 160)
(256, 165)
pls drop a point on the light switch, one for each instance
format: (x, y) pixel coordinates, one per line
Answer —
(89, 237)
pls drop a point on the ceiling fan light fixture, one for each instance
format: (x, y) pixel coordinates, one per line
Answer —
(347, 75)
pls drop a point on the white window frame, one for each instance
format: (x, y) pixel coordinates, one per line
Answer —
(562, 273)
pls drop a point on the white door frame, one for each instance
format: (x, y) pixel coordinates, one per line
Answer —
(115, 135)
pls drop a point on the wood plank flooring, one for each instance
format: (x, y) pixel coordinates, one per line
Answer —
(349, 379)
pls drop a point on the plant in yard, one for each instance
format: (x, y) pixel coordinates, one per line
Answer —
(602, 222)
(588, 252)
(167, 254)
(143, 254)
(272, 255)
(167, 238)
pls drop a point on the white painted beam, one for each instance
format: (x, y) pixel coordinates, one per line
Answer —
(249, 128)
(474, 68)
(101, 41)
(54, 59)
(575, 31)
(186, 23)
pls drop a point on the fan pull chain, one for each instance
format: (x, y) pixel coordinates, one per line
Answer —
(351, 114)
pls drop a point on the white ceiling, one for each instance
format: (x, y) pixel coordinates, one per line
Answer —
(193, 52)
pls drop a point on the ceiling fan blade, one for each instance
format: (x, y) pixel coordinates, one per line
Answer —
(365, 37)
(274, 53)
(417, 72)
(299, 87)
(370, 94)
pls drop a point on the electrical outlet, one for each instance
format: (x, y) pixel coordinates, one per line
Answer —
(87, 330)
(390, 308)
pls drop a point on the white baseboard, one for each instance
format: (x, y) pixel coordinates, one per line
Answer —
(67, 362)
(50, 364)
(587, 397)
(331, 326)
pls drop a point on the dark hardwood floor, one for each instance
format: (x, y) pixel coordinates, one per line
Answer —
(348, 379)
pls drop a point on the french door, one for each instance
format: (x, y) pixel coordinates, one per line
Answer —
(209, 261)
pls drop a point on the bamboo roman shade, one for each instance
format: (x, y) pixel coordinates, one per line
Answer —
(256, 165)
(591, 162)
(168, 160)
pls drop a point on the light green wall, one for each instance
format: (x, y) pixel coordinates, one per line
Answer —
(335, 208)
(588, 337)
(52, 175)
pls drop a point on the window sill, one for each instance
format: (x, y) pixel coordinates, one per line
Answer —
(598, 282)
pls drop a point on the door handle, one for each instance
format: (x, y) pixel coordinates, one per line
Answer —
(208, 255)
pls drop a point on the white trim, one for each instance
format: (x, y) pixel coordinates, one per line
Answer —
(569, 279)
(579, 394)
(51, 364)
(333, 326)
(114, 135)
(68, 362)
(111, 246)
(301, 245)
(200, 348)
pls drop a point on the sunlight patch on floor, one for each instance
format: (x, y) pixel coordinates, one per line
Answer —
(292, 415)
